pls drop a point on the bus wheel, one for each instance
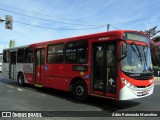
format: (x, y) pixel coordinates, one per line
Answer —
(21, 79)
(80, 90)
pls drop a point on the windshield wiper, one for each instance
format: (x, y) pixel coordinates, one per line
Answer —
(139, 53)
(145, 61)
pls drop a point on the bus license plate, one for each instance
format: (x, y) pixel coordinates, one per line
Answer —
(145, 92)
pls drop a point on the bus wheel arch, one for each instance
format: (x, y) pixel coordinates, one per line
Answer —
(79, 89)
(20, 79)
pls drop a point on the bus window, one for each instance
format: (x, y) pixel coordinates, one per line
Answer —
(28, 55)
(71, 52)
(40, 57)
(13, 57)
(6, 56)
(77, 52)
(20, 55)
(55, 53)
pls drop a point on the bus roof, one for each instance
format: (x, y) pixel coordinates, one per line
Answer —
(118, 33)
(14, 48)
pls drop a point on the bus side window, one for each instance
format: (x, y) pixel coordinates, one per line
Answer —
(13, 57)
(6, 56)
(28, 55)
(77, 52)
(55, 53)
(20, 56)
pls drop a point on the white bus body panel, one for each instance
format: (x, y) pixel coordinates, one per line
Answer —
(5, 70)
(127, 93)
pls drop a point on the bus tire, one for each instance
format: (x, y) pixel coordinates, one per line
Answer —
(80, 91)
(20, 79)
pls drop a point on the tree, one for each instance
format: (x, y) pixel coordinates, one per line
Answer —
(152, 32)
(154, 45)
(156, 40)
(155, 54)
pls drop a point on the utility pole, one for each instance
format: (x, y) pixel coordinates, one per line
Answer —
(108, 25)
(8, 22)
(12, 43)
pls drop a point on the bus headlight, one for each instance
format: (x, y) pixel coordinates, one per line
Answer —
(129, 85)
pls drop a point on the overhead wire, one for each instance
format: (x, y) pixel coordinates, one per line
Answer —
(137, 20)
(44, 14)
(113, 26)
(59, 28)
(46, 19)
(93, 26)
(60, 22)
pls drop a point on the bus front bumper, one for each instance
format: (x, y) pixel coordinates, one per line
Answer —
(127, 93)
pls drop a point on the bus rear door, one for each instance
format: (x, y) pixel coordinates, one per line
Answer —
(39, 66)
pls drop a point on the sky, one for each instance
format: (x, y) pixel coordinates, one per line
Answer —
(42, 20)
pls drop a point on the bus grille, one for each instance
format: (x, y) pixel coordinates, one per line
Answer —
(143, 77)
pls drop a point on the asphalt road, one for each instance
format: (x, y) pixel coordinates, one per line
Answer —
(29, 98)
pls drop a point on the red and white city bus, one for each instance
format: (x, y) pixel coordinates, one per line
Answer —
(114, 64)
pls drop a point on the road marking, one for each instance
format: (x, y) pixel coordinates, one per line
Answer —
(19, 89)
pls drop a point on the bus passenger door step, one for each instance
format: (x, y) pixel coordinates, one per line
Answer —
(38, 85)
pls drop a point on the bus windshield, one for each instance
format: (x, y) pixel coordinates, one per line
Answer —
(138, 59)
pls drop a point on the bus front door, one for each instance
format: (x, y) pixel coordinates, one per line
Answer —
(104, 69)
(39, 66)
